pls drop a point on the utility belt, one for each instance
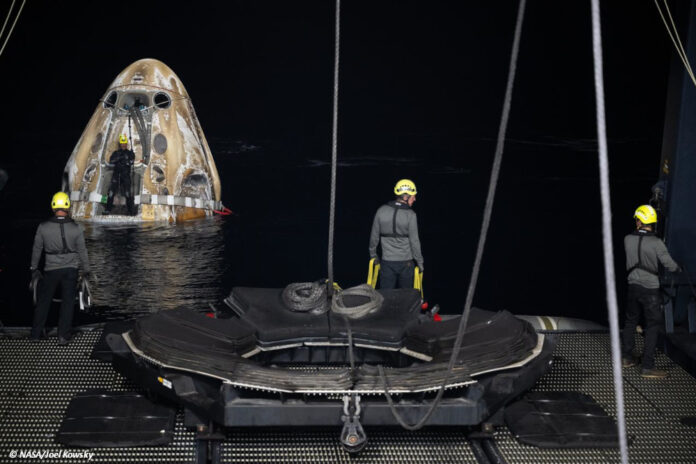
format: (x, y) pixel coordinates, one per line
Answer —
(69, 252)
(393, 235)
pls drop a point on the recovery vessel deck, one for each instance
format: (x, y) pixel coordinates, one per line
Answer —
(39, 379)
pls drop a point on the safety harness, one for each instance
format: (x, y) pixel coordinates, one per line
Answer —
(641, 234)
(396, 206)
(66, 249)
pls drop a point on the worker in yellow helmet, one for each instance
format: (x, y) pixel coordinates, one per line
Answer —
(122, 161)
(63, 241)
(395, 228)
(644, 253)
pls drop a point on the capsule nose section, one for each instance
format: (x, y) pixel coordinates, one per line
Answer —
(170, 175)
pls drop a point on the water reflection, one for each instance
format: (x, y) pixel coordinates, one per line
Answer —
(143, 268)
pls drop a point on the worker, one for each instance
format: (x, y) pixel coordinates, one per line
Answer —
(64, 243)
(644, 252)
(395, 228)
(122, 161)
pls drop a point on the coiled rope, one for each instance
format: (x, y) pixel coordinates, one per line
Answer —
(305, 297)
(493, 182)
(375, 300)
(606, 228)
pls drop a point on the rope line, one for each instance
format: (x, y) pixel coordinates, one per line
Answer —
(9, 33)
(495, 171)
(334, 150)
(606, 228)
(7, 18)
(676, 41)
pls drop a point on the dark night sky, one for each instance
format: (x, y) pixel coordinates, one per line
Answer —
(422, 85)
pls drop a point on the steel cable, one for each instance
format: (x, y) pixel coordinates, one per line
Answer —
(493, 182)
(606, 228)
(306, 297)
(7, 18)
(9, 33)
(334, 151)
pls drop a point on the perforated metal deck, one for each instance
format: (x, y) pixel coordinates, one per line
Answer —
(37, 380)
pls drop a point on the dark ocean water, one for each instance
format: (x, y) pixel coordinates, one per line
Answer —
(543, 253)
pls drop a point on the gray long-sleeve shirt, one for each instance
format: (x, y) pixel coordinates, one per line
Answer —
(59, 254)
(652, 252)
(395, 227)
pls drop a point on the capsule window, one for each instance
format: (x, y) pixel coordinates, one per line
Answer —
(137, 100)
(162, 100)
(110, 101)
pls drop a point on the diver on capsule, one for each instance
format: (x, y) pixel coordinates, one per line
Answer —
(63, 241)
(122, 161)
(395, 228)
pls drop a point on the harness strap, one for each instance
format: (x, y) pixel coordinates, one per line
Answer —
(65, 250)
(394, 234)
(639, 265)
(62, 237)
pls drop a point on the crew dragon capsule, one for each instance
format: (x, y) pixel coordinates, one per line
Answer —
(172, 176)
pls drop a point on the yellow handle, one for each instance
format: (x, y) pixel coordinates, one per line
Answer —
(372, 273)
(418, 280)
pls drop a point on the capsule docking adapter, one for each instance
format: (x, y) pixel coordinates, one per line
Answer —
(172, 175)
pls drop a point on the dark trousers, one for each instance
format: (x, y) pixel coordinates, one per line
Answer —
(121, 184)
(67, 279)
(396, 272)
(645, 301)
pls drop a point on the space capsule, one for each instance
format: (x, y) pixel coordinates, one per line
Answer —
(172, 176)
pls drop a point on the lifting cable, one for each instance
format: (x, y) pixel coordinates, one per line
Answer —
(493, 182)
(612, 305)
(334, 151)
(674, 35)
(9, 33)
(7, 18)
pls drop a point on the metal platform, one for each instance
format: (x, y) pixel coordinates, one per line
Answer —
(37, 381)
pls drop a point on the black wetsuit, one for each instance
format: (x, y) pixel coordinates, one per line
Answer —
(121, 179)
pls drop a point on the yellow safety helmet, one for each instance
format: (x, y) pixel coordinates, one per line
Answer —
(60, 200)
(122, 138)
(405, 186)
(646, 214)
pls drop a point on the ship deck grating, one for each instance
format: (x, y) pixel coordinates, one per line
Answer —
(37, 381)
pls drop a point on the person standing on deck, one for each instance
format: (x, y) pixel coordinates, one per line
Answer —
(395, 228)
(64, 243)
(644, 252)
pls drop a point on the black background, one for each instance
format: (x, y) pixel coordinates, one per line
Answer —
(421, 93)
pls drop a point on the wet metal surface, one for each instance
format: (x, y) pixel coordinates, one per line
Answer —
(39, 379)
